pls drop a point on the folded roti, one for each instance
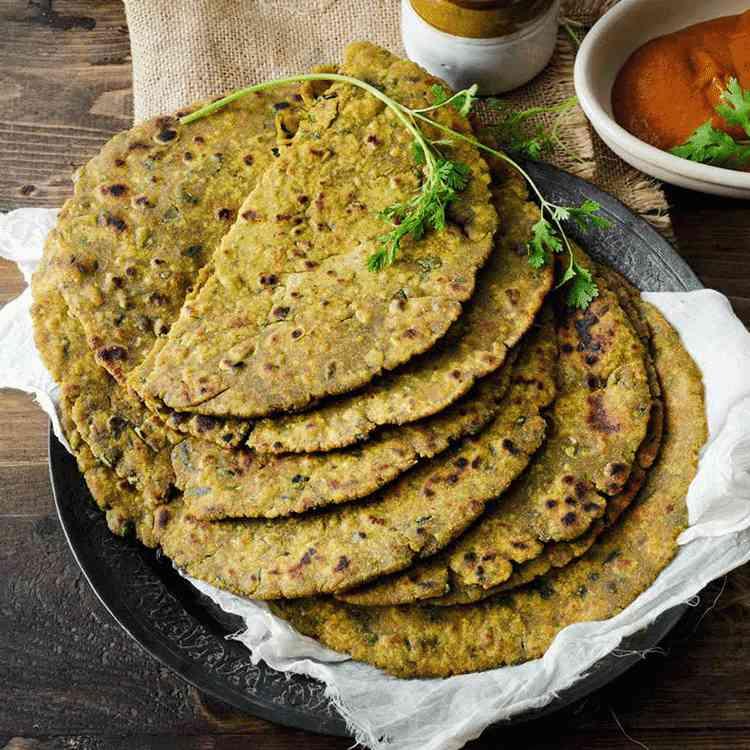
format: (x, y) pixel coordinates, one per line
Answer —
(147, 213)
(419, 641)
(145, 217)
(62, 346)
(559, 554)
(218, 483)
(100, 280)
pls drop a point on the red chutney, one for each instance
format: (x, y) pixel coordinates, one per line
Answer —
(670, 85)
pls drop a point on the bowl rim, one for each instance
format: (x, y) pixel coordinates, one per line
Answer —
(610, 129)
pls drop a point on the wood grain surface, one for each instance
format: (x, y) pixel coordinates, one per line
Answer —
(69, 677)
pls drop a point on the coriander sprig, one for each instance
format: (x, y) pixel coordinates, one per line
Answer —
(548, 234)
(444, 178)
(424, 210)
(735, 105)
(709, 145)
(545, 241)
(462, 101)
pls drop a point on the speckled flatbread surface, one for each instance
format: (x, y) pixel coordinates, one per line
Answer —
(559, 554)
(418, 641)
(414, 517)
(99, 276)
(448, 408)
(509, 293)
(146, 215)
(598, 421)
(129, 504)
(290, 312)
(218, 483)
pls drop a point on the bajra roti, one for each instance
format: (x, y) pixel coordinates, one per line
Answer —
(147, 213)
(598, 422)
(61, 344)
(125, 508)
(508, 296)
(559, 554)
(417, 515)
(114, 426)
(218, 483)
(291, 312)
(418, 641)
(120, 432)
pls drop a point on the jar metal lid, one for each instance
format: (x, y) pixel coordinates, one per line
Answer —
(480, 19)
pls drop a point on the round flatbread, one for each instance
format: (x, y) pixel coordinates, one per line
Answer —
(508, 296)
(290, 312)
(419, 641)
(113, 424)
(144, 175)
(146, 215)
(61, 344)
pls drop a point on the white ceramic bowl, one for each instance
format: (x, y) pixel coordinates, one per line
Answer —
(605, 49)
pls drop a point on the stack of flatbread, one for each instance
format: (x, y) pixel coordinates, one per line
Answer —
(434, 467)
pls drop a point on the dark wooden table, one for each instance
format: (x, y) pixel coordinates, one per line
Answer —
(69, 678)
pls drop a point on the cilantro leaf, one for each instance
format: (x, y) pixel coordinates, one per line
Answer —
(547, 238)
(736, 107)
(707, 145)
(454, 174)
(544, 241)
(533, 147)
(587, 215)
(444, 180)
(583, 289)
(521, 132)
(439, 94)
(462, 101)
(570, 273)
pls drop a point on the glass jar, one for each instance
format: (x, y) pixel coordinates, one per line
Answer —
(497, 44)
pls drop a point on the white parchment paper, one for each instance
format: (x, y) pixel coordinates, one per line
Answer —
(388, 713)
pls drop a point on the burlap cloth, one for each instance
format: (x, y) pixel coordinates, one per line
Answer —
(184, 50)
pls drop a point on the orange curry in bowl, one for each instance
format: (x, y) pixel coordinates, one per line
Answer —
(671, 85)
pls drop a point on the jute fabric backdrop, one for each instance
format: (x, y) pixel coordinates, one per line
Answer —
(186, 50)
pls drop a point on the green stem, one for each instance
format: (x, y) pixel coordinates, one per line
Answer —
(405, 115)
(499, 154)
(557, 109)
(393, 105)
(544, 204)
(562, 109)
(458, 95)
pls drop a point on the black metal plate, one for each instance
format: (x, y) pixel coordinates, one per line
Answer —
(186, 631)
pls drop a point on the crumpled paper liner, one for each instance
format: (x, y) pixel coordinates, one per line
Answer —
(386, 713)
